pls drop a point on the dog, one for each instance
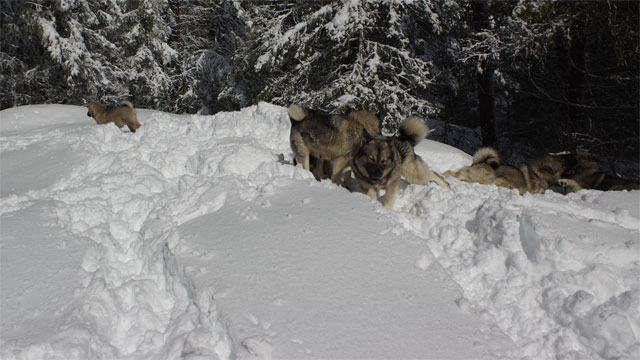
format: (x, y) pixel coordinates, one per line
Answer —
(583, 172)
(122, 115)
(379, 162)
(533, 177)
(326, 137)
(482, 169)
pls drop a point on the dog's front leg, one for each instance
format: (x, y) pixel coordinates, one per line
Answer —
(368, 189)
(390, 195)
(439, 179)
(570, 185)
(347, 178)
(318, 171)
(338, 166)
(305, 162)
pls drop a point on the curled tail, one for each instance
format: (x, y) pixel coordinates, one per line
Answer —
(297, 112)
(126, 103)
(413, 129)
(486, 155)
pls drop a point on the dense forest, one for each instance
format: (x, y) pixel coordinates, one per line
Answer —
(530, 76)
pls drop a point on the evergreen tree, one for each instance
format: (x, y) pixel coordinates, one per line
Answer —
(87, 49)
(548, 75)
(588, 83)
(206, 33)
(329, 55)
(564, 74)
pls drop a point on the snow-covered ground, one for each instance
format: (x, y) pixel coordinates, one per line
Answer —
(196, 238)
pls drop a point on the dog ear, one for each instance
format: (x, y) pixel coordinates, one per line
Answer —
(366, 137)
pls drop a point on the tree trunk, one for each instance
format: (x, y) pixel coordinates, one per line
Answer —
(484, 80)
(486, 111)
(575, 81)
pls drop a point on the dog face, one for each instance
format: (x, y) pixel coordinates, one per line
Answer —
(376, 161)
(93, 106)
(583, 169)
(580, 163)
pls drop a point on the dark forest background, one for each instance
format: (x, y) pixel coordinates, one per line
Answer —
(529, 77)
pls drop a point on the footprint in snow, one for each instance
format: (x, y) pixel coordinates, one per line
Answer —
(258, 346)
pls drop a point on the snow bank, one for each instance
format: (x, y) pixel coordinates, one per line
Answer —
(557, 274)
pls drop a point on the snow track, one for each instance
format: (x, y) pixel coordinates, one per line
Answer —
(127, 197)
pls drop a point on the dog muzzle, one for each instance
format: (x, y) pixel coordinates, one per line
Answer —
(375, 173)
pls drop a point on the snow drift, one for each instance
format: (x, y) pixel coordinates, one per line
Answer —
(196, 237)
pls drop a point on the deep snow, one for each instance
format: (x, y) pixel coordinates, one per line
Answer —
(195, 237)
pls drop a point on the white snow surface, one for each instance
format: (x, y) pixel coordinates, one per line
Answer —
(197, 238)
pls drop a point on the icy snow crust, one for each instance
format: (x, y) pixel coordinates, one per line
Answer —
(195, 237)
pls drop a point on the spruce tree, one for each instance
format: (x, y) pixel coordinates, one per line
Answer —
(335, 56)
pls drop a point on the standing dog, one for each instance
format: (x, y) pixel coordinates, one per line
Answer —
(326, 137)
(122, 115)
(534, 177)
(378, 162)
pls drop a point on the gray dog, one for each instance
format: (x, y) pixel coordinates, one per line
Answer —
(378, 162)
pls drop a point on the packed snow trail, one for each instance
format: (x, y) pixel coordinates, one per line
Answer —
(327, 279)
(557, 274)
(127, 196)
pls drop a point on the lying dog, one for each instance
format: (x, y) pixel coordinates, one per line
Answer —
(583, 172)
(534, 177)
(378, 162)
(326, 137)
(122, 115)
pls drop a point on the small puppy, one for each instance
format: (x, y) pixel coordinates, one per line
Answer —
(122, 115)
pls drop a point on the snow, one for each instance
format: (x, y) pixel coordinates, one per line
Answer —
(197, 238)
(340, 23)
(65, 50)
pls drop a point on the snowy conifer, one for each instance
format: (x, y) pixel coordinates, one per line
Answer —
(376, 55)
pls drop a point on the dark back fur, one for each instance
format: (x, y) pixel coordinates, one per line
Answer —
(328, 135)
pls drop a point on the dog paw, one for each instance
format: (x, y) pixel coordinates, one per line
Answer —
(569, 184)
